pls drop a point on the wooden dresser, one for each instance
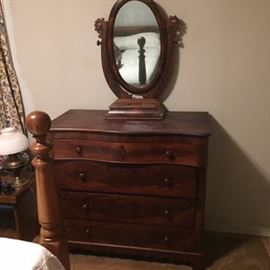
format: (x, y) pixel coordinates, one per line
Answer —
(133, 187)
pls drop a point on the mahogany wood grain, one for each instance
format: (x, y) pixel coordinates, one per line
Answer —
(130, 235)
(52, 234)
(136, 153)
(126, 208)
(191, 125)
(120, 87)
(172, 181)
(133, 187)
(170, 30)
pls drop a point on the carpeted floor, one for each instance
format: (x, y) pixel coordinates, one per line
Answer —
(222, 253)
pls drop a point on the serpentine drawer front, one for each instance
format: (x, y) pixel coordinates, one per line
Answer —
(171, 181)
(125, 208)
(108, 151)
(130, 235)
(132, 187)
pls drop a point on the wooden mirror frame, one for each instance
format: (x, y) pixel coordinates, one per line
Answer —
(147, 107)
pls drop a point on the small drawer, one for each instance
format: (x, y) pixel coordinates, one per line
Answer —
(130, 152)
(132, 235)
(155, 180)
(135, 209)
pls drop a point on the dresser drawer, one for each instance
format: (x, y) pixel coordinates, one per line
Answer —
(130, 152)
(133, 235)
(135, 209)
(154, 180)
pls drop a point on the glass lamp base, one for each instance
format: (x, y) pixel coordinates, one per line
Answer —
(18, 183)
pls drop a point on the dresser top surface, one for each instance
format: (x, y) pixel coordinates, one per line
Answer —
(178, 123)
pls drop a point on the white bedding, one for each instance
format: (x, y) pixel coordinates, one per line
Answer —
(129, 69)
(130, 65)
(22, 255)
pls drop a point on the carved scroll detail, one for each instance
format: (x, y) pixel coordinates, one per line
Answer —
(177, 28)
(99, 28)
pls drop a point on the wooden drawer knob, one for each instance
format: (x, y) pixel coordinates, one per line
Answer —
(170, 155)
(79, 150)
(82, 177)
(167, 240)
(85, 207)
(88, 233)
(167, 182)
(167, 213)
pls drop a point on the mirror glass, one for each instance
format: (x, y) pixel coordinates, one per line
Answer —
(136, 42)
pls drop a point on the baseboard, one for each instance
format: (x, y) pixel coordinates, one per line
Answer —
(239, 229)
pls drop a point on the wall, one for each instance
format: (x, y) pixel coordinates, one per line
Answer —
(134, 14)
(223, 68)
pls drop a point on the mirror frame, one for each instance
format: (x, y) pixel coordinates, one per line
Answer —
(168, 28)
(163, 45)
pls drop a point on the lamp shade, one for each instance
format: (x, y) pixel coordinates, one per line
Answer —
(12, 141)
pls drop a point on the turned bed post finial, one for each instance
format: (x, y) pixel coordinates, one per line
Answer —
(52, 234)
(142, 68)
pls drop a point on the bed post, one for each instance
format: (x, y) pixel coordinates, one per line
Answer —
(52, 235)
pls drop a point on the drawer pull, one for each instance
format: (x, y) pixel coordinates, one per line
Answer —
(167, 240)
(167, 182)
(82, 177)
(85, 207)
(167, 213)
(88, 233)
(79, 150)
(170, 155)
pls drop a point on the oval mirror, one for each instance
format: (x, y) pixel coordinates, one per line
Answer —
(136, 50)
(136, 44)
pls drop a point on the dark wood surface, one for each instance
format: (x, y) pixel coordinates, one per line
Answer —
(18, 213)
(172, 182)
(13, 196)
(178, 123)
(169, 29)
(133, 187)
(120, 87)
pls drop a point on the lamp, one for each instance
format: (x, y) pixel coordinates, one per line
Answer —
(12, 143)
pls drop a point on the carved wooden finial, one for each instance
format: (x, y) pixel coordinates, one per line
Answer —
(178, 28)
(99, 27)
(38, 123)
(52, 233)
(142, 68)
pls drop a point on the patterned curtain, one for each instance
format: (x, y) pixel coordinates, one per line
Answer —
(11, 104)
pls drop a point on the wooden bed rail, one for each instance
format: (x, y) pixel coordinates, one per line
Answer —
(52, 233)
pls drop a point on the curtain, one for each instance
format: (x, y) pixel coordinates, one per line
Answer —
(11, 104)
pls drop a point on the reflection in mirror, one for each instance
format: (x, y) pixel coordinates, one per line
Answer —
(136, 43)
